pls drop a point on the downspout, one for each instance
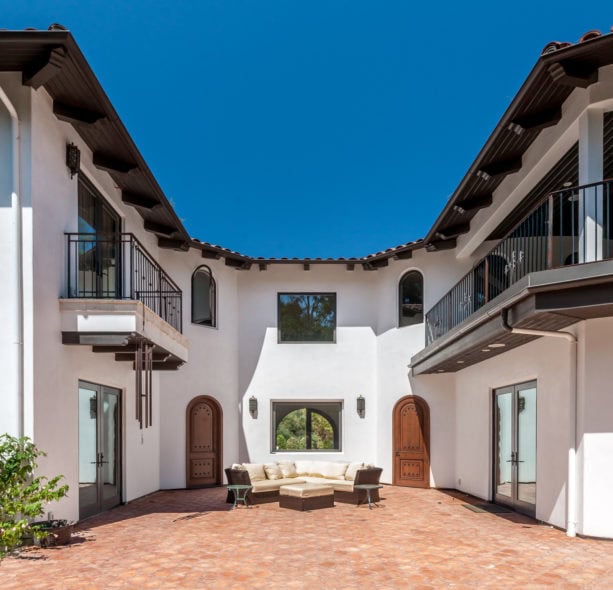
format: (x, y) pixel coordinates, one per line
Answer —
(571, 524)
(17, 235)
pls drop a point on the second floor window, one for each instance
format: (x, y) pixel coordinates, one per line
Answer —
(203, 296)
(411, 299)
(307, 317)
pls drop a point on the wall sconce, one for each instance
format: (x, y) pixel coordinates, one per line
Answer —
(253, 406)
(361, 406)
(73, 158)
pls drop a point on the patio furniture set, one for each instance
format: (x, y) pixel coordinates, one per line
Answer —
(303, 485)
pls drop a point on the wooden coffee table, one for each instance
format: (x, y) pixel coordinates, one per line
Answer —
(306, 496)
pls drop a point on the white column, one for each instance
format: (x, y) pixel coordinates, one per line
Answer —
(11, 341)
(590, 171)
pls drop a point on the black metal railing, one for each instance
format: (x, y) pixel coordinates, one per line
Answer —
(567, 227)
(118, 266)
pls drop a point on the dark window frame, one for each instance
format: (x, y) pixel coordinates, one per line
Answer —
(405, 276)
(308, 293)
(317, 406)
(213, 297)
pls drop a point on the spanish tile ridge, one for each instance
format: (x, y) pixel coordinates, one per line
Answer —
(553, 46)
(382, 253)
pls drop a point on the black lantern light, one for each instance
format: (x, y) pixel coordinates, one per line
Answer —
(73, 158)
(253, 406)
(361, 406)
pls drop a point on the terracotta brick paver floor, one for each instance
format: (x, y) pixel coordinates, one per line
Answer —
(417, 539)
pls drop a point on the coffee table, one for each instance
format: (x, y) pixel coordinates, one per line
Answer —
(306, 496)
(368, 488)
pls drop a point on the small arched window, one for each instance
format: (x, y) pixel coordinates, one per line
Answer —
(411, 299)
(203, 296)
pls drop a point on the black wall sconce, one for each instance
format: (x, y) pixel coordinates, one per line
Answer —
(73, 158)
(361, 406)
(253, 406)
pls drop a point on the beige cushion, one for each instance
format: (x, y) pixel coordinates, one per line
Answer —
(337, 485)
(333, 470)
(255, 470)
(288, 468)
(272, 471)
(352, 470)
(271, 485)
(306, 490)
(306, 467)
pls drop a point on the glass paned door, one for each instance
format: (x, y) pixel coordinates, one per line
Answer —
(99, 245)
(515, 447)
(99, 448)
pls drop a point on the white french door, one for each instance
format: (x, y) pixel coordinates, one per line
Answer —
(515, 447)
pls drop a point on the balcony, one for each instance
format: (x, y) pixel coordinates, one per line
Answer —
(118, 297)
(119, 267)
(566, 228)
(553, 269)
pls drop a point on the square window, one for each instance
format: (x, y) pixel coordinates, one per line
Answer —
(306, 426)
(306, 317)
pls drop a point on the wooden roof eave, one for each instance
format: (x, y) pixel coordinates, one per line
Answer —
(513, 112)
(37, 44)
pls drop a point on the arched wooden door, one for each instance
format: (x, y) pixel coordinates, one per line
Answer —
(204, 439)
(411, 430)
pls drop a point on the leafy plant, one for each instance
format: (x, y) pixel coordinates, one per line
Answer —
(22, 494)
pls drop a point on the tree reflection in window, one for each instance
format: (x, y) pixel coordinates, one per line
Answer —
(300, 426)
(307, 317)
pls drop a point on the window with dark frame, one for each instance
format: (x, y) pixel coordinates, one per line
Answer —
(306, 317)
(306, 426)
(203, 297)
(411, 299)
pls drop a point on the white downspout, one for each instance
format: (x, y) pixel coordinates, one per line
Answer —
(17, 239)
(571, 519)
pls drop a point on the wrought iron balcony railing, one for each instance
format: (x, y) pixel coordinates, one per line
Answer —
(567, 227)
(117, 266)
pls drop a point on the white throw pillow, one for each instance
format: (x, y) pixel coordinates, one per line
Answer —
(352, 470)
(288, 469)
(238, 467)
(333, 470)
(255, 470)
(272, 471)
(305, 467)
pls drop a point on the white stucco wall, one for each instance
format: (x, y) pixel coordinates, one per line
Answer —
(547, 361)
(241, 357)
(57, 368)
(595, 429)
(212, 368)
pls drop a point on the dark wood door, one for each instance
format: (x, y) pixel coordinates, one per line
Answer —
(204, 436)
(411, 443)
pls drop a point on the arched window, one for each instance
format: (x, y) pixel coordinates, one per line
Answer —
(411, 299)
(203, 296)
(306, 426)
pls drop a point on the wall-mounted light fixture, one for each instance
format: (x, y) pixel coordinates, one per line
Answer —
(73, 158)
(253, 406)
(361, 406)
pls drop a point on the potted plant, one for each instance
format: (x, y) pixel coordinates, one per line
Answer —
(22, 494)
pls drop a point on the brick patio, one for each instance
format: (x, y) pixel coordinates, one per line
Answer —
(417, 539)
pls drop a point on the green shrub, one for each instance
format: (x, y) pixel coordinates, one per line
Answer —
(22, 495)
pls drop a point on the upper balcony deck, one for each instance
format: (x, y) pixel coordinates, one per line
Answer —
(568, 227)
(118, 298)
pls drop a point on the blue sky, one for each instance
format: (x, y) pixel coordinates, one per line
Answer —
(320, 128)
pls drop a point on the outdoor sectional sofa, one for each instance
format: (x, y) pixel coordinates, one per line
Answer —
(267, 478)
